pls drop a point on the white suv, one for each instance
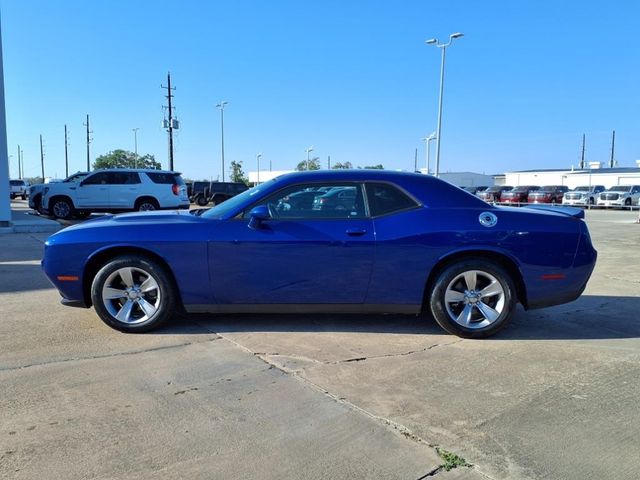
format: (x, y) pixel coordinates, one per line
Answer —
(620, 196)
(116, 190)
(582, 196)
(18, 188)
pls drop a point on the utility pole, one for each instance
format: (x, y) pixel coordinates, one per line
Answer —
(329, 162)
(221, 107)
(42, 158)
(135, 145)
(613, 146)
(88, 143)
(19, 164)
(170, 124)
(415, 161)
(582, 157)
(66, 152)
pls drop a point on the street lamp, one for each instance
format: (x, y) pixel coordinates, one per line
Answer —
(308, 150)
(135, 143)
(258, 160)
(443, 47)
(221, 107)
(427, 141)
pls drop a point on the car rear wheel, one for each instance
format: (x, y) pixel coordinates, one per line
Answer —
(202, 201)
(62, 208)
(473, 298)
(133, 294)
(147, 205)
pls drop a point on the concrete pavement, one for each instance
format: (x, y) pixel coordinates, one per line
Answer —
(553, 396)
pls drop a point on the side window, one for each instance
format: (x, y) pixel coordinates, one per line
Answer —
(317, 201)
(96, 179)
(384, 198)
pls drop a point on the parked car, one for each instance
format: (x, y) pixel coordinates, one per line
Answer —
(36, 191)
(620, 196)
(18, 188)
(548, 194)
(518, 195)
(202, 193)
(411, 243)
(583, 195)
(115, 190)
(492, 194)
(338, 198)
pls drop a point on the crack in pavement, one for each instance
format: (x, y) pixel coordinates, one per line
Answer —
(106, 355)
(354, 359)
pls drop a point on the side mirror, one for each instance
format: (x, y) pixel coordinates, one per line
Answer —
(258, 215)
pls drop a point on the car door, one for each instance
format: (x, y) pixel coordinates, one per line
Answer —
(298, 256)
(93, 191)
(124, 188)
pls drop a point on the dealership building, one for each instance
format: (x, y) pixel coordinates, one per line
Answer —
(594, 175)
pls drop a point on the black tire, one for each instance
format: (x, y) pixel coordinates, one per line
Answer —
(202, 201)
(37, 202)
(465, 317)
(24, 197)
(147, 204)
(128, 313)
(627, 202)
(61, 208)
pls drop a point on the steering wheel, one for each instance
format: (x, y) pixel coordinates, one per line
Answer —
(273, 212)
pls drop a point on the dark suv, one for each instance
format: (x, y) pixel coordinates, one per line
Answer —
(549, 194)
(492, 194)
(217, 192)
(519, 194)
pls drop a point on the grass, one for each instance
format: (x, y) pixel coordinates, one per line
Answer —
(451, 460)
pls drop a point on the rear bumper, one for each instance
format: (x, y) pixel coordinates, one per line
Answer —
(73, 303)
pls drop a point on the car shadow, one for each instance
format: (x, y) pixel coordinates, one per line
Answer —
(591, 317)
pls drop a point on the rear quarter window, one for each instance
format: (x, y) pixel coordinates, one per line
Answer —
(384, 199)
(166, 178)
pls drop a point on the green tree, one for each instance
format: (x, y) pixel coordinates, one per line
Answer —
(125, 159)
(237, 174)
(313, 164)
(374, 167)
(342, 166)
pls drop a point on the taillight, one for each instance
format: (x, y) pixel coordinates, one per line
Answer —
(175, 189)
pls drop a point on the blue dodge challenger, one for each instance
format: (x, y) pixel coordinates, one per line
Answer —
(351, 241)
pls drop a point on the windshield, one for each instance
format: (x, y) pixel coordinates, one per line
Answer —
(233, 203)
(620, 189)
(581, 189)
(76, 177)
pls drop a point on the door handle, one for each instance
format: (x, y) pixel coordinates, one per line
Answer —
(356, 232)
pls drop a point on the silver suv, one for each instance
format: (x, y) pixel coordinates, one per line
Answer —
(583, 195)
(116, 190)
(18, 188)
(620, 196)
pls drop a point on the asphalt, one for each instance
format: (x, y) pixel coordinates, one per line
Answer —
(296, 396)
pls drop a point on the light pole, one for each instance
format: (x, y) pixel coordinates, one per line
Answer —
(443, 47)
(221, 107)
(308, 150)
(135, 145)
(427, 141)
(258, 160)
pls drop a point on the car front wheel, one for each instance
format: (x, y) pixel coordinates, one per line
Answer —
(133, 294)
(62, 208)
(473, 298)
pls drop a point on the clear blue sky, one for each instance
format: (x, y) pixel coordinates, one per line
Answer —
(352, 78)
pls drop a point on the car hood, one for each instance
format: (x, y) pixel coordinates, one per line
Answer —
(160, 217)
